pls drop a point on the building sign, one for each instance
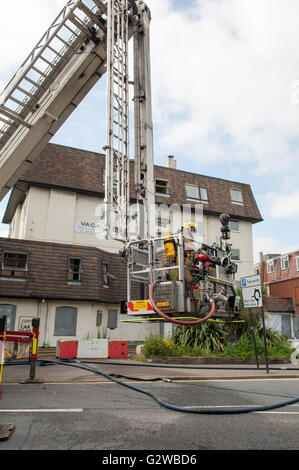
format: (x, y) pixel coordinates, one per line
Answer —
(252, 291)
(25, 324)
(94, 228)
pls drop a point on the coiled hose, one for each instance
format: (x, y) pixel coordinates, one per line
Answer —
(172, 320)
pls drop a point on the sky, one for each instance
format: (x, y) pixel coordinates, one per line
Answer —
(225, 91)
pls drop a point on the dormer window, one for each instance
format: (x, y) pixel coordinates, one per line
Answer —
(196, 193)
(74, 271)
(14, 264)
(161, 187)
(236, 196)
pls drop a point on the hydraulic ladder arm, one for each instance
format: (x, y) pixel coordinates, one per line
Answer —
(62, 68)
(124, 14)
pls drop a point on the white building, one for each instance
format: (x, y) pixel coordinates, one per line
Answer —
(59, 201)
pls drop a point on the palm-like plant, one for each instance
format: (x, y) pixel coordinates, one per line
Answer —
(209, 336)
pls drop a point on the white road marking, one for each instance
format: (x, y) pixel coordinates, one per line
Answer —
(44, 410)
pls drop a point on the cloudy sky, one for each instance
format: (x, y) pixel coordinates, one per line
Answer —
(225, 84)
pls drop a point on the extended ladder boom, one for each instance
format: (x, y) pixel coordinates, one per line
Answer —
(117, 195)
(62, 68)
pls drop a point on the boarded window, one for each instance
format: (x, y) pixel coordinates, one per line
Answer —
(10, 312)
(65, 321)
(112, 319)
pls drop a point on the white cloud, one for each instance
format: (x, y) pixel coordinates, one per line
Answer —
(222, 81)
(284, 205)
(270, 245)
(22, 24)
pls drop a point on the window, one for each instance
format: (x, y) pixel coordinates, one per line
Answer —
(192, 191)
(74, 271)
(8, 311)
(197, 193)
(297, 263)
(112, 319)
(105, 275)
(270, 266)
(162, 187)
(284, 260)
(203, 194)
(235, 254)
(235, 226)
(236, 196)
(14, 264)
(65, 321)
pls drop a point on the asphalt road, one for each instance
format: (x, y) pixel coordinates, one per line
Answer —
(107, 416)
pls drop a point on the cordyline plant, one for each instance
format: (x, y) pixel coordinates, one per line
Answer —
(209, 336)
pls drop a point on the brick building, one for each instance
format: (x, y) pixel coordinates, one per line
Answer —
(54, 213)
(280, 273)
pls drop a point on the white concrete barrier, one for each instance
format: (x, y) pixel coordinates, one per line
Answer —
(92, 349)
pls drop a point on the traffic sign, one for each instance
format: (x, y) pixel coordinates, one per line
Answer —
(252, 291)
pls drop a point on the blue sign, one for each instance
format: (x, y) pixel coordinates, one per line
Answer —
(243, 282)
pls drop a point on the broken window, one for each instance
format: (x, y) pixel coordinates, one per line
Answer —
(14, 264)
(74, 271)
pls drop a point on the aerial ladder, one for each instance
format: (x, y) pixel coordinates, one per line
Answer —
(175, 277)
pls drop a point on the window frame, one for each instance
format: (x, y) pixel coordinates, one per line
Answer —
(109, 319)
(297, 263)
(105, 272)
(282, 260)
(12, 316)
(158, 193)
(270, 262)
(234, 229)
(75, 311)
(193, 186)
(71, 272)
(202, 199)
(235, 201)
(11, 268)
(232, 256)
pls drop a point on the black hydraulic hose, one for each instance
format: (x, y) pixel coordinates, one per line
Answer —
(160, 366)
(170, 406)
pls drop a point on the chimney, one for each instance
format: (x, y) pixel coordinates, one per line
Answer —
(171, 162)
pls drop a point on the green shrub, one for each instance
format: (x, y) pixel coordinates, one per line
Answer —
(154, 345)
(278, 347)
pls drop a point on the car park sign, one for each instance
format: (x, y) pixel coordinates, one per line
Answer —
(252, 291)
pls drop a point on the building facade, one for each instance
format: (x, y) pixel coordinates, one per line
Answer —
(280, 274)
(56, 211)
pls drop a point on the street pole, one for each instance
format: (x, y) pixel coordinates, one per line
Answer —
(265, 341)
(253, 338)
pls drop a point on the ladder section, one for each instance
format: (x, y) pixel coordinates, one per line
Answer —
(54, 78)
(117, 148)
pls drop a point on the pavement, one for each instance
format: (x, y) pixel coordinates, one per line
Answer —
(133, 370)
